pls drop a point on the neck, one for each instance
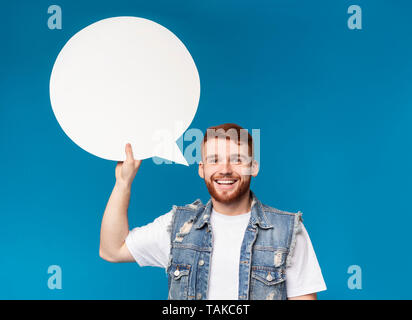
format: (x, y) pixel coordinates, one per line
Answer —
(242, 205)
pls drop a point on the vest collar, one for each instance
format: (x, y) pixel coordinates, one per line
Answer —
(258, 216)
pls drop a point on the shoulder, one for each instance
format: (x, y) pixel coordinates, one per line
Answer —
(271, 211)
(191, 207)
(188, 211)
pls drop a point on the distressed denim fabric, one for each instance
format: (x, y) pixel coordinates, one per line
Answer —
(265, 252)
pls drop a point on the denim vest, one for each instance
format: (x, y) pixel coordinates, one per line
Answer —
(265, 252)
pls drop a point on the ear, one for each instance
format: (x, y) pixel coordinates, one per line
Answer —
(255, 168)
(201, 170)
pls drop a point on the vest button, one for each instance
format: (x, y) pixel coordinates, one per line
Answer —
(199, 296)
(201, 262)
(176, 273)
(269, 277)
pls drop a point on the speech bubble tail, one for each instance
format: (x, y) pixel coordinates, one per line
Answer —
(174, 155)
(177, 155)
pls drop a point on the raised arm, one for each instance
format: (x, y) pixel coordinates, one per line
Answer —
(115, 226)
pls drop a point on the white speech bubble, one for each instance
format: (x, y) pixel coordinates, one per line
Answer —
(125, 79)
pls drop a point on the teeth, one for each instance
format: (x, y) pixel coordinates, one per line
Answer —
(225, 181)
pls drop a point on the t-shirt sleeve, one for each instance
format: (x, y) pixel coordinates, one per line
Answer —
(304, 275)
(150, 244)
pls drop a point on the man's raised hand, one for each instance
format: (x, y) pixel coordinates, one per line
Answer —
(126, 170)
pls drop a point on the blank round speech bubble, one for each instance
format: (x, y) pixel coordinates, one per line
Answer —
(125, 79)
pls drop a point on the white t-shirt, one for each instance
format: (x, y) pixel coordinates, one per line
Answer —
(150, 246)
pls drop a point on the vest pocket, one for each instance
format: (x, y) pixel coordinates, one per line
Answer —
(268, 283)
(179, 281)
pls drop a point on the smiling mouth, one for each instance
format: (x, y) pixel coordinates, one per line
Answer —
(225, 183)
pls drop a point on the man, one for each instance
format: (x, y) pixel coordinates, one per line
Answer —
(233, 247)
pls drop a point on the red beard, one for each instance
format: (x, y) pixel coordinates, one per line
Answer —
(231, 195)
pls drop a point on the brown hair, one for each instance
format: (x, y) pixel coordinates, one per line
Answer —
(228, 131)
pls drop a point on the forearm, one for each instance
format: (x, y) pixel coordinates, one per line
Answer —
(115, 226)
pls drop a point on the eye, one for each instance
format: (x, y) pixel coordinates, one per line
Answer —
(236, 159)
(212, 160)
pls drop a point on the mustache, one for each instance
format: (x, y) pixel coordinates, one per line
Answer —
(225, 177)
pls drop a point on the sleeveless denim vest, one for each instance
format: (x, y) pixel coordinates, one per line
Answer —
(266, 251)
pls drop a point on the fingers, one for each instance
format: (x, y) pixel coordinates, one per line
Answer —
(129, 152)
(130, 157)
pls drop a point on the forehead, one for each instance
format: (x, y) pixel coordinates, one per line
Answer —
(225, 146)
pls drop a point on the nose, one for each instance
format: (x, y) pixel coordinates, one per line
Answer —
(227, 168)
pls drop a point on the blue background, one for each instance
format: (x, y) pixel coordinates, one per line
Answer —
(333, 106)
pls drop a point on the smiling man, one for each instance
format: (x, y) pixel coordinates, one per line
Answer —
(233, 247)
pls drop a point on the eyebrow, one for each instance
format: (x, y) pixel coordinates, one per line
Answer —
(233, 154)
